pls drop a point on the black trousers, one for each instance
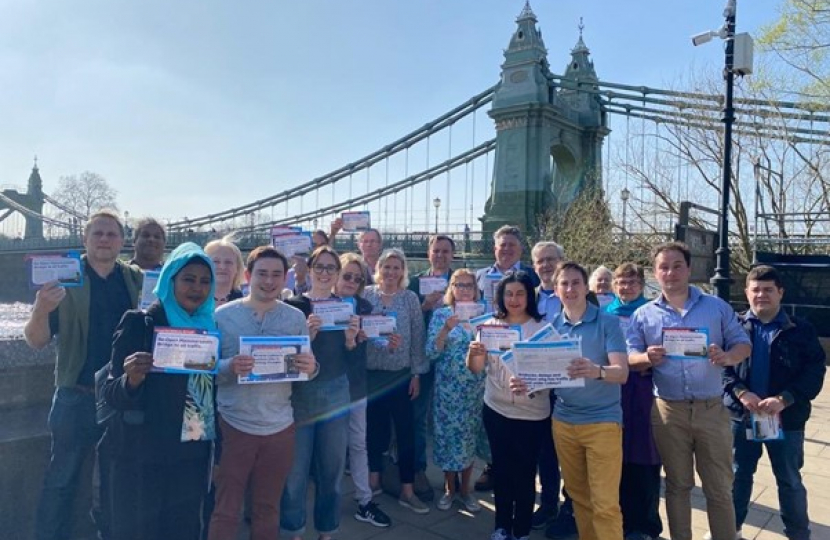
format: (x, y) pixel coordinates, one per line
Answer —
(515, 446)
(158, 501)
(389, 400)
(640, 499)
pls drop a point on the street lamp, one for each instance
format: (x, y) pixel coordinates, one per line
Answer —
(625, 194)
(722, 279)
(436, 202)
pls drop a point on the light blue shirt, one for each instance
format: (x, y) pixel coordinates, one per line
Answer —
(548, 304)
(677, 380)
(598, 401)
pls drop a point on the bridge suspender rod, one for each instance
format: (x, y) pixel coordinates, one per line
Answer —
(31, 213)
(412, 138)
(436, 170)
(66, 209)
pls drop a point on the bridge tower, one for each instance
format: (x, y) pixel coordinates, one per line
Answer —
(34, 196)
(548, 135)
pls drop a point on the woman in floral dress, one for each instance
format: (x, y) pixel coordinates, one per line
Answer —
(458, 393)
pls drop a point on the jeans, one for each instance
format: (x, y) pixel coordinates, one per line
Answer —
(320, 409)
(420, 416)
(389, 404)
(786, 457)
(74, 436)
(358, 454)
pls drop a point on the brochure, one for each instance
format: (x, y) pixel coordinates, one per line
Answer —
(686, 343)
(499, 338)
(491, 281)
(545, 334)
(430, 284)
(292, 244)
(356, 221)
(273, 358)
(544, 365)
(151, 277)
(185, 350)
(764, 427)
(65, 268)
(335, 313)
(466, 311)
(379, 327)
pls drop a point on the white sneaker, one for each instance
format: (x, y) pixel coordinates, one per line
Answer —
(445, 502)
(470, 503)
(738, 535)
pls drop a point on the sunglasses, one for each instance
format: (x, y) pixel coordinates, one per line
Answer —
(352, 278)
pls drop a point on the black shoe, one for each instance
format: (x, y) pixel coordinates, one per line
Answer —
(485, 481)
(370, 513)
(542, 516)
(563, 527)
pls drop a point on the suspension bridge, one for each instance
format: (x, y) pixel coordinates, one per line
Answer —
(548, 137)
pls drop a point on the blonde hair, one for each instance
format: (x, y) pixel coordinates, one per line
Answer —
(449, 297)
(226, 242)
(396, 254)
(349, 258)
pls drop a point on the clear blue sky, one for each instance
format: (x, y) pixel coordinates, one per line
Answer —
(190, 107)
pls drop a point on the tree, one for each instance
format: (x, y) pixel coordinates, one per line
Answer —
(84, 194)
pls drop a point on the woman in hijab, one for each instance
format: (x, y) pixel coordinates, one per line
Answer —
(163, 437)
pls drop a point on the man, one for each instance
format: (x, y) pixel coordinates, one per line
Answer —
(545, 256)
(782, 376)
(508, 250)
(640, 481)
(84, 319)
(149, 241)
(691, 425)
(370, 244)
(440, 252)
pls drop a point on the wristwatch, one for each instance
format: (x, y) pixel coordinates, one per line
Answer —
(601, 373)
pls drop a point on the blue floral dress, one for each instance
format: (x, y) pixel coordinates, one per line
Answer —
(459, 395)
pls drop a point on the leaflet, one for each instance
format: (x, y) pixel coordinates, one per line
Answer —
(151, 277)
(499, 338)
(466, 311)
(430, 284)
(292, 244)
(686, 343)
(65, 268)
(379, 327)
(335, 313)
(273, 358)
(491, 281)
(544, 335)
(185, 350)
(764, 427)
(356, 221)
(544, 365)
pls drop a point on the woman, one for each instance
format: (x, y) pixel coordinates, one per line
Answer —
(587, 420)
(227, 259)
(515, 423)
(256, 420)
(162, 438)
(320, 408)
(458, 393)
(350, 284)
(394, 367)
(600, 284)
(640, 483)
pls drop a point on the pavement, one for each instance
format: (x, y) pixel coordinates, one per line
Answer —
(763, 522)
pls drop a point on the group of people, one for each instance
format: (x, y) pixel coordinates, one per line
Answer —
(181, 455)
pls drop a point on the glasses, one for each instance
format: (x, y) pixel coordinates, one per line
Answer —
(327, 268)
(627, 282)
(352, 278)
(548, 260)
(464, 286)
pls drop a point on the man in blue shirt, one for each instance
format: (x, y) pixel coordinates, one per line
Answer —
(691, 425)
(508, 251)
(782, 376)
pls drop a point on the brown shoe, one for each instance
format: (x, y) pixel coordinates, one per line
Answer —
(485, 481)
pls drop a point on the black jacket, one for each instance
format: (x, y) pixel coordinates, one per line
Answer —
(796, 371)
(149, 425)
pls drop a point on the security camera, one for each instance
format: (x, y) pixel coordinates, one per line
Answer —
(703, 37)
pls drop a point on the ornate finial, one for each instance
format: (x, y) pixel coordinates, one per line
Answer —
(527, 12)
(581, 27)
